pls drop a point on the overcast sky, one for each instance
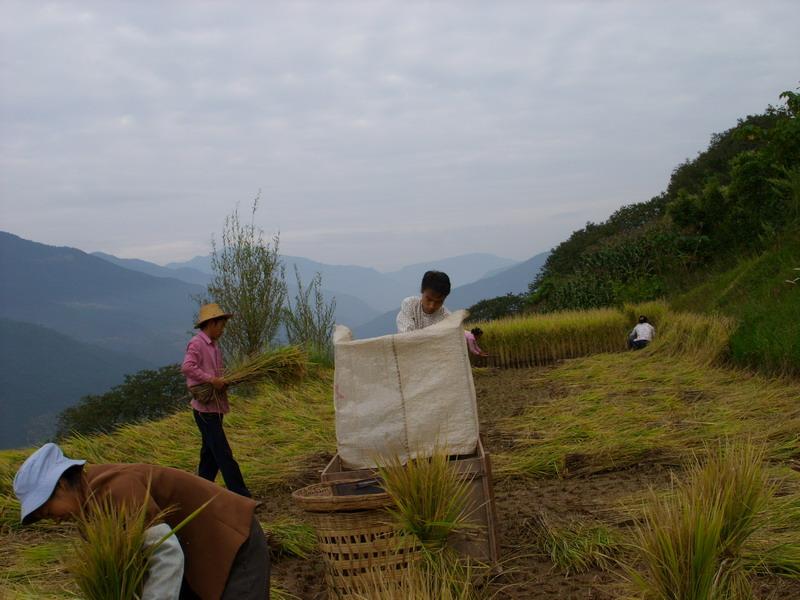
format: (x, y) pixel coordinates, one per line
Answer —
(379, 133)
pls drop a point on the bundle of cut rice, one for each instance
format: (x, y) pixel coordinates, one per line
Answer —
(281, 365)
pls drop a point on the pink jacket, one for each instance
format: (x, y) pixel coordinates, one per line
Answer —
(203, 362)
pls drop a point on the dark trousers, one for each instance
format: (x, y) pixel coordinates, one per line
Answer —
(216, 454)
(249, 576)
(639, 344)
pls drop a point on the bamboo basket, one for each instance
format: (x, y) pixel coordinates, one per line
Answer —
(359, 543)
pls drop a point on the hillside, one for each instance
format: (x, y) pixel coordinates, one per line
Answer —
(513, 279)
(93, 301)
(727, 227)
(576, 445)
(757, 291)
(44, 372)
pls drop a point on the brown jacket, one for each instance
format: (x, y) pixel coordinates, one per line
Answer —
(210, 541)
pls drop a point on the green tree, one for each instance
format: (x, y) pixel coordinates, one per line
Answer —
(496, 308)
(249, 281)
(145, 395)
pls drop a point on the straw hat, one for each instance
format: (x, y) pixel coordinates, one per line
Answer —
(210, 311)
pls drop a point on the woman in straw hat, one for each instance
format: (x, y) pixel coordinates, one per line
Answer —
(220, 553)
(203, 364)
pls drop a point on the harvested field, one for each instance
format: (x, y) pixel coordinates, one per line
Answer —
(633, 419)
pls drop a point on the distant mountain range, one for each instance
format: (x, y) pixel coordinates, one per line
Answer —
(379, 290)
(74, 323)
(94, 301)
(44, 372)
(513, 280)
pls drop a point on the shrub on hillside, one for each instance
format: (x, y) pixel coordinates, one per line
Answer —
(143, 396)
(499, 307)
(249, 281)
(309, 320)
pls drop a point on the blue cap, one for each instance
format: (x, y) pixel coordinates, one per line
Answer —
(37, 477)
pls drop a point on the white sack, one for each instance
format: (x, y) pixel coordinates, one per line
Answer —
(403, 394)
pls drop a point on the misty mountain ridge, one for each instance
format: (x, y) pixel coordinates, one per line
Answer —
(378, 289)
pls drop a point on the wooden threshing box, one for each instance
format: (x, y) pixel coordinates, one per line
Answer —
(475, 544)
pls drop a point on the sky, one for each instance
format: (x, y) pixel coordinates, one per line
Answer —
(376, 133)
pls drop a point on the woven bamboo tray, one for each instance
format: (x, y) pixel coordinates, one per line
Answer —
(320, 497)
(358, 540)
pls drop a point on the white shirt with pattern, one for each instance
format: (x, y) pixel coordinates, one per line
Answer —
(411, 316)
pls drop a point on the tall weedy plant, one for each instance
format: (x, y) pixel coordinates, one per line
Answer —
(249, 281)
(309, 320)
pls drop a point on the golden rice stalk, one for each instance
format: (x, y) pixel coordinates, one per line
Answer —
(282, 365)
(110, 559)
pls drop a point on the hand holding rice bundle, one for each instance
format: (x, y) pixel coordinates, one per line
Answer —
(280, 365)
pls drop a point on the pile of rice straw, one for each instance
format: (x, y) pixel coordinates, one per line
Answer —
(280, 365)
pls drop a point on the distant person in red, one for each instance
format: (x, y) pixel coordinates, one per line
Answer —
(473, 335)
(203, 364)
(419, 312)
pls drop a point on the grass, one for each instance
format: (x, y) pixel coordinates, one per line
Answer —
(575, 547)
(110, 556)
(610, 412)
(531, 340)
(756, 293)
(278, 433)
(691, 544)
(444, 579)
(109, 559)
(290, 537)
(430, 497)
(599, 413)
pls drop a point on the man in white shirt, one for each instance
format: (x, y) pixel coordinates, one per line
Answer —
(642, 334)
(418, 312)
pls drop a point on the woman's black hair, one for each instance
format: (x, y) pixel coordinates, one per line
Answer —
(436, 281)
(205, 324)
(476, 331)
(643, 319)
(72, 476)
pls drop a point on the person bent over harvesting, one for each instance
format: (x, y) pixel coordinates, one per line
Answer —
(203, 364)
(220, 553)
(641, 335)
(418, 312)
(472, 336)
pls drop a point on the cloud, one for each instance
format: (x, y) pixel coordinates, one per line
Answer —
(378, 132)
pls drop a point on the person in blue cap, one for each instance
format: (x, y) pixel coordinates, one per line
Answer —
(221, 553)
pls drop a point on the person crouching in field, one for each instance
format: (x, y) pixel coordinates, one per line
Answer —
(418, 312)
(472, 336)
(641, 335)
(203, 364)
(220, 553)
